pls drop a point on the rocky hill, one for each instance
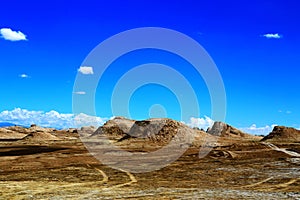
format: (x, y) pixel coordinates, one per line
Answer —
(224, 130)
(156, 131)
(283, 134)
(116, 128)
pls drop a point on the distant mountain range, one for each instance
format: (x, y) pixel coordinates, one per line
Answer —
(5, 124)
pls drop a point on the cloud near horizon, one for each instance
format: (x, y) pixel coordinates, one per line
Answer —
(253, 129)
(62, 121)
(86, 70)
(57, 120)
(8, 34)
(50, 119)
(202, 123)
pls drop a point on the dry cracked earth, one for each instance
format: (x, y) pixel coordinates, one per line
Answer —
(39, 163)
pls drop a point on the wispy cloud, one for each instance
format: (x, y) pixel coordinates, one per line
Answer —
(23, 76)
(49, 119)
(272, 35)
(8, 34)
(86, 70)
(80, 92)
(286, 112)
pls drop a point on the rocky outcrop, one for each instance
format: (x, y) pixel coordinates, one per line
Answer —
(72, 130)
(217, 129)
(34, 128)
(86, 130)
(283, 134)
(224, 130)
(156, 130)
(115, 128)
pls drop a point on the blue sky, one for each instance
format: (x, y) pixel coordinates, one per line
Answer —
(260, 72)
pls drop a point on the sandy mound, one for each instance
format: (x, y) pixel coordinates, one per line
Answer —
(37, 133)
(283, 134)
(7, 133)
(34, 132)
(40, 136)
(18, 129)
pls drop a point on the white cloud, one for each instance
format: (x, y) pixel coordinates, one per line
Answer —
(286, 112)
(49, 119)
(23, 76)
(253, 129)
(86, 70)
(80, 92)
(272, 35)
(11, 35)
(87, 120)
(202, 123)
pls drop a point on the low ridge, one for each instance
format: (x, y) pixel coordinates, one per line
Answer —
(40, 136)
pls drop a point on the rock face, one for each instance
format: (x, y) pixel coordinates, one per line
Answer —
(217, 129)
(155, 130)
(283, 134)
(224, 130)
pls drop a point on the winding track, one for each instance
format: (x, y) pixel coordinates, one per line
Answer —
(281, 185)
(132, 180)
(49, 188)
(258, 183)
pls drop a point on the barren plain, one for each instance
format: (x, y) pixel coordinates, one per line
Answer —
(40, 163)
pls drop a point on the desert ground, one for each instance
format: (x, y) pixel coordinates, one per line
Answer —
(44, 163)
